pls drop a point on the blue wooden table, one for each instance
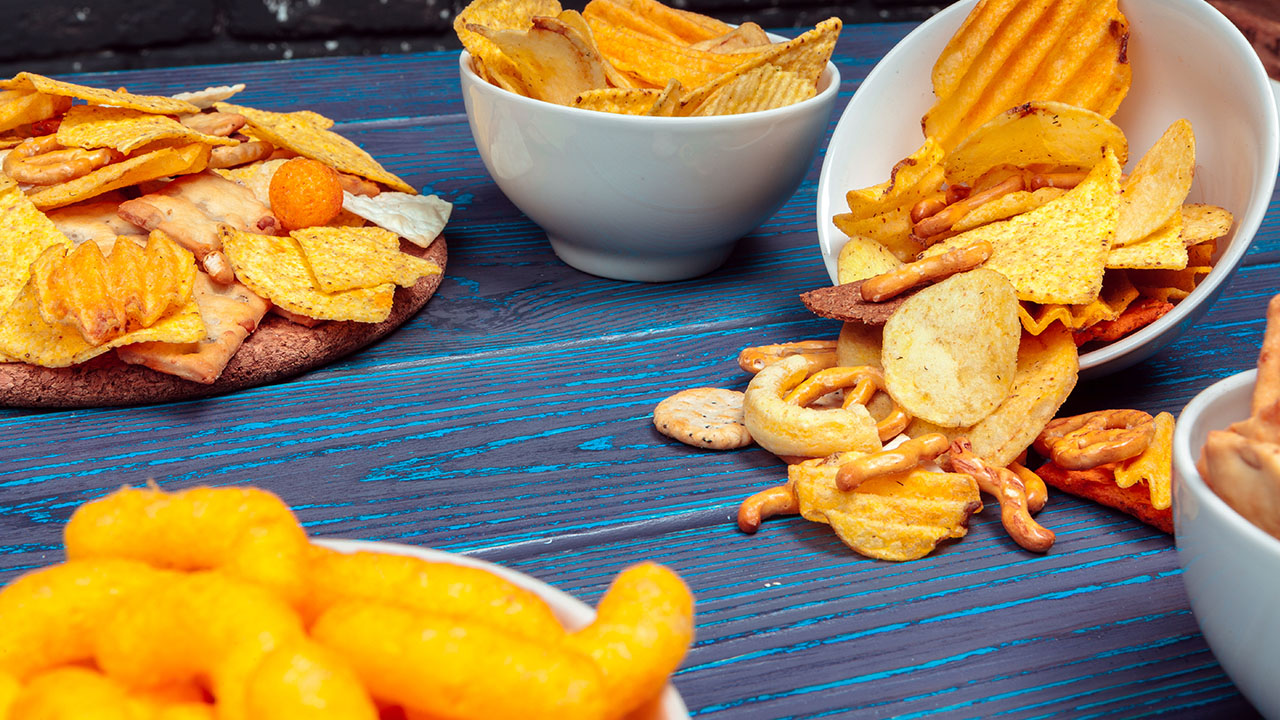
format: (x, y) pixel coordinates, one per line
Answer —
(511, 420)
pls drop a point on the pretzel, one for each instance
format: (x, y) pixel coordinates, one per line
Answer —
(1037, 489)
(820, 354)
(936, 267)
(1093, 439)
(860, 383)
(904, 457)
(943, 220)
(222, 124)
(358, 185)
(42, 161)
(784, 428)
(777, 500)
(218, 267)
(1056, 180)
(927, 207)
(242, 154)
(1008, 488)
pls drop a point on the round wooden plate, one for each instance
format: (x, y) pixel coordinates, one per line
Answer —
(277, 350)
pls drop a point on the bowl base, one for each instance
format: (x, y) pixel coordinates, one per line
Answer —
(639, 267)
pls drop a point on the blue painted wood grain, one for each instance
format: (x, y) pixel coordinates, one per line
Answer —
(511, 420)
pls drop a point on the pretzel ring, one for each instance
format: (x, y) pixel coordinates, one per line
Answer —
(786, 428)
(905, 457)
(821, 354)
(1092, 439)
(860, 384)
(1009, 490)
(777, 500)
(42, 161)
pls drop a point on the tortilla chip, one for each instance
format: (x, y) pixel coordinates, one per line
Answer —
(22, 107)
(883, 212)
(89, 126)
(1201, 223)
(350, 258)
(1161, 250)
(306, 134)
(99, 96)
(1117, 293)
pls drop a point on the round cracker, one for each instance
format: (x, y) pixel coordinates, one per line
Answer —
(951, 350)
(703, 417)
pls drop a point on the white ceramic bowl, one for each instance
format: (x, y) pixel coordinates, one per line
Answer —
(1188, 61)
(1231, 568)
(644, 198)
(571, 611)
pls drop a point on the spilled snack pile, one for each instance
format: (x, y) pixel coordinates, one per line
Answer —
(165, 228)
(640, 57)
(211, 602)
(970, 277)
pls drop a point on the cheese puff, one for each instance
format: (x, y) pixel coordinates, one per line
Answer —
(50, 615)
(305, 681)
(79, 693)
(460, 669)
(203, 625)
(643, 627)
(246, 532)
(435, 587)
(9, 687)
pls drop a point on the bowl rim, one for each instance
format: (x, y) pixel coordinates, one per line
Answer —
(825, 96)
(1246, 225)
(568, 608)
(1188, 475)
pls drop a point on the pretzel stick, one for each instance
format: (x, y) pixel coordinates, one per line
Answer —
(778, 500)
(905, 457)
(936, 267)
(1007, 487)
(943, 220)
(927, 207)
(1056, 180)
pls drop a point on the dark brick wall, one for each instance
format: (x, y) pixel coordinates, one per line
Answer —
(53, 36)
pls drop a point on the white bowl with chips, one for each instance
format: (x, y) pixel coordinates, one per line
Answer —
(1188, 61)
(640, 198)
(1230, 567)
(571, 611)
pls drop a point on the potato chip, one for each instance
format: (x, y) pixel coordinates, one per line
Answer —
(90, 126)
(555, 62)
(1161, 250)
(687, 27)
(620, 15)
(1056, 253)
(487, 59)
(350, 258)
(951, 349)
(896, 517)
(883, 212)
(1201, 223)
(276, 269)
(25, 233)
(763, 88)
(1007, 53)
(860, 345)
(1158, 185)
(306, 135)
(25, 335)
(154, 165)
(652, 62)
(99, 96)
(623, 101)
(1047, 370)
(861, 258)
(1154, 466)
(1006, 206)
(1036, 133)
(22, 107)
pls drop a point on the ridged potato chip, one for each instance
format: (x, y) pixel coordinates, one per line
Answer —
(25, 233)
(276, 269)
(1009, 52)
(99, 96)
(763, 88)
(154, 165)
(1056, 253)
(307, 134)
(883, 212)
(1158, 185)
(652, 63)
(896, 517)
(350, 258)
(950, 351)
(1036, 133)
(88, 126)
(1117, 293)
(672, 24)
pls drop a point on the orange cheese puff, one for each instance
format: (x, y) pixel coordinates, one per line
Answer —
(9, 687)
(304, 681)
(79, 693)
(48, 616)
(460, 669)
(199, 626)
(305, 193)
(642, 630)
(246, 532)
(434, 587)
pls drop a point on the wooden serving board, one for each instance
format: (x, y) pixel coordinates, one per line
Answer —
(277, 350)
